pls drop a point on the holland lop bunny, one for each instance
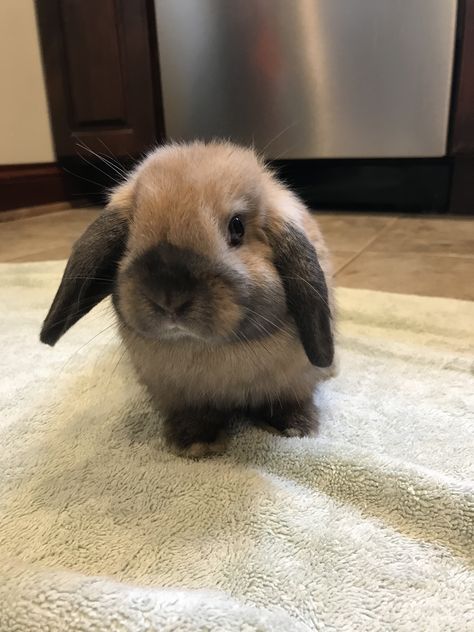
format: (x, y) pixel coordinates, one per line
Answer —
(219, 279)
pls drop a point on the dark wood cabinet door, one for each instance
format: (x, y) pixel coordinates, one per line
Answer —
(100, 75)
(463, 129)
(462, 139)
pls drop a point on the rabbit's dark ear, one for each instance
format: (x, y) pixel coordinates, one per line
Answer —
(89, 275)
(306, 292)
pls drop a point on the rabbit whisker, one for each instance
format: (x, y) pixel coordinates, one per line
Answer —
(300, 278)
(76, 175)
(85, 345)
(94, 166)
(121, 172)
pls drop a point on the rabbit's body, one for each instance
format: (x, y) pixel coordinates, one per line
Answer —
(219, 277)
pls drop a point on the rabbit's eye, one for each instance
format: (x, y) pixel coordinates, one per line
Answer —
(236, 231)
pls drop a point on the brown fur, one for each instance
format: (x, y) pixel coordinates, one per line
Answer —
(178, 202)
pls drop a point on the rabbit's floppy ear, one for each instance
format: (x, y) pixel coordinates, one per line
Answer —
(89, 275)
(306, 291)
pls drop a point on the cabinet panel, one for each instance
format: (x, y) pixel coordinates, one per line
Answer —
(93, 61)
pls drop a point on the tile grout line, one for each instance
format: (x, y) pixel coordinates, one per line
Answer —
(388, 225)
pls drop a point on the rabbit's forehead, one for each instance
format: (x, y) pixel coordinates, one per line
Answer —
(188, 210)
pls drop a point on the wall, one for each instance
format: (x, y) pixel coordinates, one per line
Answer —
(25, 134)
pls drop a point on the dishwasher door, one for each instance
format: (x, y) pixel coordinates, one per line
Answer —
(309, 78)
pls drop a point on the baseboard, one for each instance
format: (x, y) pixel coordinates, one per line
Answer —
(394, 185)
(31, 185)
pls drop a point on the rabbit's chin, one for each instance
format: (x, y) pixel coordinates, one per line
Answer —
(153, 329)
(247, 330)
(167, 333)
(173, 333)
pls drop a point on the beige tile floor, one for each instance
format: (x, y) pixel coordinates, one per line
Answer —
(413, 255)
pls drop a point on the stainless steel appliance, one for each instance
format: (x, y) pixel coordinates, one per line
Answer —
(309, 78)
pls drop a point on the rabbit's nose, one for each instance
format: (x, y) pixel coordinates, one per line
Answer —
(172, 306)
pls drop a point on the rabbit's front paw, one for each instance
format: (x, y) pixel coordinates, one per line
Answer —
(290, 419)
(196, 432)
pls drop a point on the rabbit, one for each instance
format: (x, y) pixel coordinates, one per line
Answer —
(221, 284)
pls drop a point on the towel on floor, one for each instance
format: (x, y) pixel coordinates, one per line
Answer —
(369, 526)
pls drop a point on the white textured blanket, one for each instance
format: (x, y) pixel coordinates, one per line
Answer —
(370, 526)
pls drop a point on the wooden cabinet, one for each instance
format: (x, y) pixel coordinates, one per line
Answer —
(101, 72)
(462, 139)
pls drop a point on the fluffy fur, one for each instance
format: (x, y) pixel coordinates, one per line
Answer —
(213, 330)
